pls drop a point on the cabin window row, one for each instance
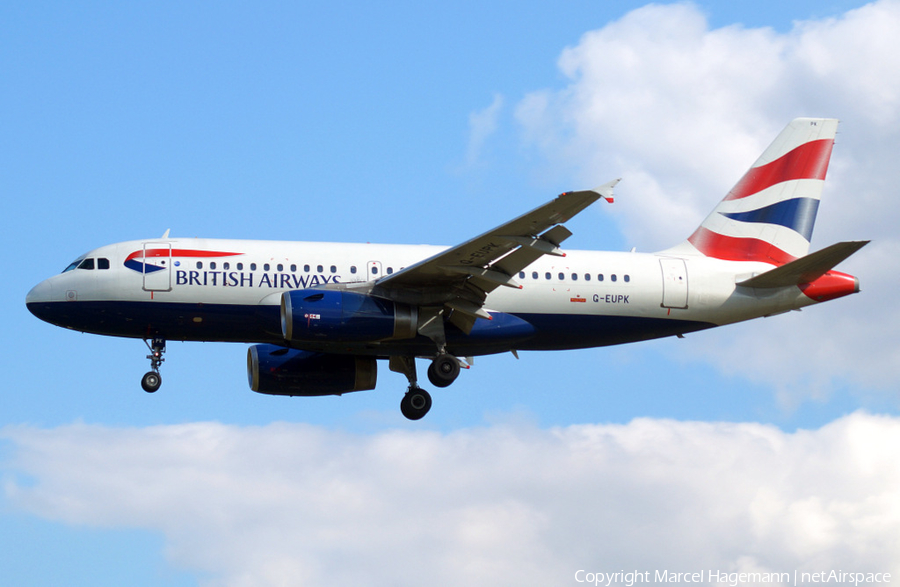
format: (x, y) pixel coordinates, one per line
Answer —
(280, 267)
(561, 276)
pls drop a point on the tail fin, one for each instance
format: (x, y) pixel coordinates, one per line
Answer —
(769, 215)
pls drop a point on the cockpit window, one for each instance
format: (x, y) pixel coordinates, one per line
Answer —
(86, 264)
(102, 263)
(73, 264)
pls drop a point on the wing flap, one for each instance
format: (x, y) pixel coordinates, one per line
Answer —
(490, 259)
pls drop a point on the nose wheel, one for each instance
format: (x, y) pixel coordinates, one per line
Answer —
(151, 380)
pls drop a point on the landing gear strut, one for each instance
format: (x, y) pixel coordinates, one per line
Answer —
(152, 379)
(443, 370)
(416, 402)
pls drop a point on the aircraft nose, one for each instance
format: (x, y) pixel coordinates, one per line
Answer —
(39, 295)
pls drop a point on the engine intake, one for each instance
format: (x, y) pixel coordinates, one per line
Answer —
(316, 314)
(276, 370)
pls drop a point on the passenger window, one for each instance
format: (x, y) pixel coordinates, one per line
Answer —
(226, 266)
(547, 275)
(521, 275)
(353, 269)
(390, 270)
(612, 277)
(102, 263)
(334, 269)
(574, 277)
(599, 277)
(534, 275)
(627, 278)
(293, 268)
(86, 264)
(199, 264)
(562, 276)
(252, 266)
(306, 268)
(374, 270)
(319, 268)
(240, 266)
(587, 276)
(266, 267)
(212, 265)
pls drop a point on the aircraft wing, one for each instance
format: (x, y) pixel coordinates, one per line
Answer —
(461, 277)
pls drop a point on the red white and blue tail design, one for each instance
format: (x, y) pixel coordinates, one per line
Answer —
(769, 215)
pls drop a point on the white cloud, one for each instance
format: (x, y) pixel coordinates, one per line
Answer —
(515, 505)
(681, 110)
(482, 125)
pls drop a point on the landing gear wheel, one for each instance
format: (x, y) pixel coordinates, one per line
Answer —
(443, 371)
(151, 381)
(415, 404)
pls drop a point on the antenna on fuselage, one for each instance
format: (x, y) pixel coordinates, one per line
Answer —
(166, 234)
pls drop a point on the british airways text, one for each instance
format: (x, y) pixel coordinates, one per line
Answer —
(244, 279)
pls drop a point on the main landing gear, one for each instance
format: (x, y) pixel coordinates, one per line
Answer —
(415, 403)
(443, 370)
(152, 379)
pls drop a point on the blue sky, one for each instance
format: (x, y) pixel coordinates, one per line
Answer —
(423, 124)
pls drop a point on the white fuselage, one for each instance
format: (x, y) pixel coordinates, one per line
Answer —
(230, 290)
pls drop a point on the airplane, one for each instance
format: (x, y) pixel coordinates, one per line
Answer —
(321, 315)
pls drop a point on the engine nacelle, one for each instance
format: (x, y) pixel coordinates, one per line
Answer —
(317, 314)
(276, 370)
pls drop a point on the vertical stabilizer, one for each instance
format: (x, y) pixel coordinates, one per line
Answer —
(769, 215)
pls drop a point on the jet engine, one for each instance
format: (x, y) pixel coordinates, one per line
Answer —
(316, 315)
(276, 370)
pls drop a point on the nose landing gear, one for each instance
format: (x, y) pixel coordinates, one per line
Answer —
(151, 380)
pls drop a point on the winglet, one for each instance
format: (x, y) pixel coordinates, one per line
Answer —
(606, 190)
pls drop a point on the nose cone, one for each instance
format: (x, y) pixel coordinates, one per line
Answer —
(38, 298)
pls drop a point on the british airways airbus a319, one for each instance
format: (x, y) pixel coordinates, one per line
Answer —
(321, 315)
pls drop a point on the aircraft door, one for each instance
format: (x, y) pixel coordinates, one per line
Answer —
(675, 283)
(157, 266)
(373, 270)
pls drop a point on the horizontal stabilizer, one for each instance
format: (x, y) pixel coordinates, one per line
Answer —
(805, 269)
